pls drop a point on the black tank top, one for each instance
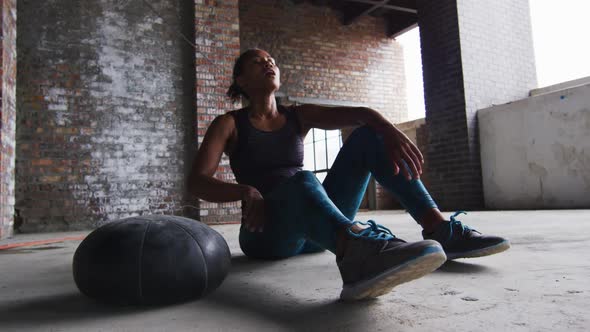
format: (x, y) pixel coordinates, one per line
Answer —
(263, 159)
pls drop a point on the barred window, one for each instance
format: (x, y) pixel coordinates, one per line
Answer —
(321, 149)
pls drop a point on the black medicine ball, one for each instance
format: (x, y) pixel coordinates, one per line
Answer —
(153, 259)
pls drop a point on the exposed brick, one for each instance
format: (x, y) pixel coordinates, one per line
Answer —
(323, 59)
(218, 44)
(105, 111)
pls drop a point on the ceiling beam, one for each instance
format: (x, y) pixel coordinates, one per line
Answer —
(383, 4)
(376, 5)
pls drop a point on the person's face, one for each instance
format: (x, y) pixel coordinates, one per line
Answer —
(259, 74)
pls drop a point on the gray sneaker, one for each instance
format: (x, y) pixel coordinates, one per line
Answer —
(375, 261)
(461, 241)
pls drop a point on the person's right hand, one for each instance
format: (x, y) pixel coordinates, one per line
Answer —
(253, 213)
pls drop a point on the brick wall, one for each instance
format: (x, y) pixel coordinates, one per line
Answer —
(473, 55)
(322, 59)
(217, 28)
(106, 107)
(455, 182)
(7, 115)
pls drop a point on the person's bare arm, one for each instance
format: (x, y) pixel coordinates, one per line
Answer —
(398, 145)
(202, 184)
(327, 117)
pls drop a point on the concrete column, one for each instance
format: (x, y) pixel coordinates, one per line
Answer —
(474, 54)
(7, 116)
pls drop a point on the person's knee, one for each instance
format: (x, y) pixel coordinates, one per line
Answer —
(304, 176)
(364, 134)
(308, 180)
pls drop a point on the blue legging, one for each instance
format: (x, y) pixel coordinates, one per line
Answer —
(304, 215)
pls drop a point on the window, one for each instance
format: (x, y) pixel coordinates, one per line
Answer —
(320, 150)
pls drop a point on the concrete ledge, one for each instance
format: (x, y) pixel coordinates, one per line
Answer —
(560, 86)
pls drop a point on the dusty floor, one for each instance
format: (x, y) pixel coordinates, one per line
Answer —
(541, 284)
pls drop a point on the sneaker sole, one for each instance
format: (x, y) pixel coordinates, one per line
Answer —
(502, 246)
(386, 281)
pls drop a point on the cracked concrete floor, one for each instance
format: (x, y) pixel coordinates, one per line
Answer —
(540, 284)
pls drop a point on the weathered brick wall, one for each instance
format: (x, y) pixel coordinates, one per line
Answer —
(455, 180)
(7, 115)
(474, 54)
(217, 28)
(106, 108)
(321, 58)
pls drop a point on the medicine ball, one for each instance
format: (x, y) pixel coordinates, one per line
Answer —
(153, 259)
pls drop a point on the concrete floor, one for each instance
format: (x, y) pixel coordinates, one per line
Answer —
(541, 284)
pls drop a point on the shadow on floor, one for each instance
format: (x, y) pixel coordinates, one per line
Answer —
(239, 295)
(241, 263)
(284, 307)
(67, 307)
(254, 298)
(280, 306)
(463, 268)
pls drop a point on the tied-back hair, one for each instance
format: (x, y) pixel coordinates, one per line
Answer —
(235, 92)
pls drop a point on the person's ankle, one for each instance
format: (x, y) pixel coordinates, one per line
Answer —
(430, 227)
(356, 228)
(431, 220)
(343, 236)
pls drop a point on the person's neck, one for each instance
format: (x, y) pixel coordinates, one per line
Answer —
(263, 106)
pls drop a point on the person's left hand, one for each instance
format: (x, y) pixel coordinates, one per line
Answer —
(253, 211)
(401, 149)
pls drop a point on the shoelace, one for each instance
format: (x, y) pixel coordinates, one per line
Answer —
(374, 231)
(454, 223)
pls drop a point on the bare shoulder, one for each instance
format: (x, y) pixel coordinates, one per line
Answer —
(302, 113)
(302, 109)
(225, 121)
(223, 128)
(222, 125)
(308, 112)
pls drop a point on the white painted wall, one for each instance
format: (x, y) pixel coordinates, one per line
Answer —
(535, 152)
